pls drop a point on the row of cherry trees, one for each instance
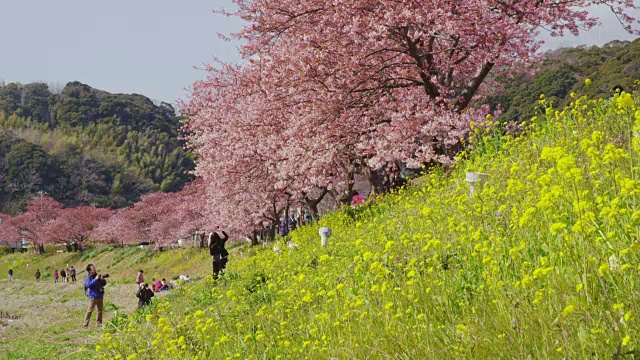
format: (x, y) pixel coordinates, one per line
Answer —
(158, 218)
(331, 89)
(328, 90)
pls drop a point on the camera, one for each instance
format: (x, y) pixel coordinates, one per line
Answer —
(105, 276)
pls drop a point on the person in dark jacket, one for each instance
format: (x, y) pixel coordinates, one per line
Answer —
(144, 294)
(219, 253)
(38, 275)
(94, 284)
(283, 228)
(63, 275)
(10, 274)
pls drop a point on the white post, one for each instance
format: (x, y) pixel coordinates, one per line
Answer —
(325, 234)
(476, 179)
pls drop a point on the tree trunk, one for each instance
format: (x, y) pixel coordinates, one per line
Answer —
(254, 238)
(312, 204)
(203, 241)
(375, 178)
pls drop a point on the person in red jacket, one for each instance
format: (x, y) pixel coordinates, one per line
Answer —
(140, 277)
(156, 285)
(357, 200)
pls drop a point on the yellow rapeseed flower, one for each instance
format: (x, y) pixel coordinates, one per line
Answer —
(568, 310)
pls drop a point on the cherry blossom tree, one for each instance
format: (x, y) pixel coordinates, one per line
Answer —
(33, 223)
(403, 73)
(158, 218)
(119, 230)
(9, 233)
(335, 88)
(190, 211)
(74, 225)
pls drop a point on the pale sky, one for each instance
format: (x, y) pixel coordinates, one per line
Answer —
(148, 47)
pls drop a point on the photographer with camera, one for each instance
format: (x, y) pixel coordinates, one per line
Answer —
(144, 294)
(94, 286)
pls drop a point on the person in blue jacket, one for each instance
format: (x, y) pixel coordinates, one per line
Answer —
(94, 285)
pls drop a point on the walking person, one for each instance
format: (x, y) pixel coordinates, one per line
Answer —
(140, 277)
(283, 228)
(38, 275)
(10, 274)
(68, 275)
(55, 276)
(73, 274)
(63, 275)
(219, 253)
(144, 294)
(94, 283)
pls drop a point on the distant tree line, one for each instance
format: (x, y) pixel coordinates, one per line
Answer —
(84, 146)
(563, 71)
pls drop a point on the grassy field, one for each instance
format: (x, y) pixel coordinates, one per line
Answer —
(50, 315)
(542, 262)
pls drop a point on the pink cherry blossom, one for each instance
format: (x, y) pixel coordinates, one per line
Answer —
(332, 89)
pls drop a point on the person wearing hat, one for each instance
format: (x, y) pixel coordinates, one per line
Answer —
(144, 295)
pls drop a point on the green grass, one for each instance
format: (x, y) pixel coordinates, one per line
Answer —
(52, 313)
(122, 264)
(30, 348)
(540, 263)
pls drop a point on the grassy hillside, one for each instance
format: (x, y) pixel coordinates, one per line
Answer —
(542, 263)
(54, 311)
(121, 264)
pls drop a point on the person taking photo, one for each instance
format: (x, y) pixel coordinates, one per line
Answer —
(144, 294)
(94, 285)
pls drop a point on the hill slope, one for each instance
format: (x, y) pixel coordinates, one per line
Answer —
(563, 71)
(55, 311)
(542, 263)
(82, 146)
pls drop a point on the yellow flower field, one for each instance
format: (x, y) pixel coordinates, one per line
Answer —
(542, 262)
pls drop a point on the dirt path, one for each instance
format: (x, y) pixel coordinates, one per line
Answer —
(44, 320)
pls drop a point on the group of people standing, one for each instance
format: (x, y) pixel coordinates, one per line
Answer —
(68, 275)
(95, 283)
(65, 275)
(289, 224)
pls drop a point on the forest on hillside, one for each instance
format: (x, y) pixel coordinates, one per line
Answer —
(563, 71)
(85, 146)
